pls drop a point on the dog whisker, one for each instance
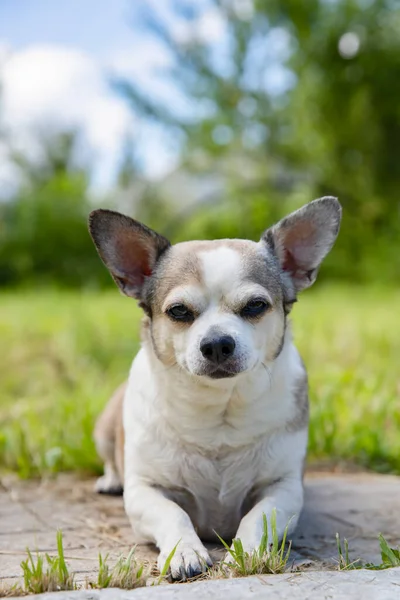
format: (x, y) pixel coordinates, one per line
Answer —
(268, 370)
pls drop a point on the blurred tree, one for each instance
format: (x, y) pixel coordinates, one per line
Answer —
(292, 101)
(276, 103)
(43, 231)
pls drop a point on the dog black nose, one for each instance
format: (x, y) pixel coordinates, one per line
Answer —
(217, 350)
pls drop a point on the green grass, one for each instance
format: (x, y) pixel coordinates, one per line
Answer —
(270, 558)
(63, 353)
(126, 574)
(390, 557)
(45, 573)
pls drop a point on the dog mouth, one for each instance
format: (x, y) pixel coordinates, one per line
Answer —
(226, 370)
(221, 373)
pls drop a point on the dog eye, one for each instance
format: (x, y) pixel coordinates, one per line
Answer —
(254, 308)
(180, 312)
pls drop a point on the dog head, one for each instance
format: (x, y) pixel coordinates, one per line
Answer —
(217, 308)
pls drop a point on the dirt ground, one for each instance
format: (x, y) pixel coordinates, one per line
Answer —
(358, 505)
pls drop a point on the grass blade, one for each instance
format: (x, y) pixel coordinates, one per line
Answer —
(264, 538)
(390, 556)
(167, 563)
(63, 569)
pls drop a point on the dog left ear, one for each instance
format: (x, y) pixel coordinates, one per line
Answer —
(129, 249)
(302, 240)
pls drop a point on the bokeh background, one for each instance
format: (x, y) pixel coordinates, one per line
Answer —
(204, 119)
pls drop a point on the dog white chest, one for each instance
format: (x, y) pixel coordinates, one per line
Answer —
(209, 456)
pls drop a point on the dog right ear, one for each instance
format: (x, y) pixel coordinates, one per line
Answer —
(129, 249)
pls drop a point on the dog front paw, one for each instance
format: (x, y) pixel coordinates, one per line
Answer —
(188, 561)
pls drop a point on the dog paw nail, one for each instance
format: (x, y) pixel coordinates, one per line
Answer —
(191, 572)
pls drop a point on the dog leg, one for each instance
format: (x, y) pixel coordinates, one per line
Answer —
(108, 437)
(156, 519)
(286, 496)
(110, 482)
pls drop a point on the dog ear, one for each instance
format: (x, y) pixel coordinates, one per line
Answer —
(129, 249)
(302, 240)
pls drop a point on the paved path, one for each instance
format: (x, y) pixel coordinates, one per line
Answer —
(358, 506)
(318, 585)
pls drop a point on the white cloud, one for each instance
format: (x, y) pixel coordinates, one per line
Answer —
(51, 88)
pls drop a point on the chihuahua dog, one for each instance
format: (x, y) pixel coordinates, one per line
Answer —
(210, 432)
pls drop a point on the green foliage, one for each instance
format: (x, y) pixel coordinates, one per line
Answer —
(43, 231)
(282, 111)
(333, 127)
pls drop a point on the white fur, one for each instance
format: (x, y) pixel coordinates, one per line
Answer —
(221, 269)
(109, 481)
(195, 449)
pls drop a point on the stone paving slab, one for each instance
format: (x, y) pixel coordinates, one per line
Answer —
(357, 506)
(318, 585)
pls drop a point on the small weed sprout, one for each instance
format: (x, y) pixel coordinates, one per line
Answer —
(48, 575)
(390, 557)
(43, 573)
(126, 574)
(269, 558)
(344, 563)
(104, 575)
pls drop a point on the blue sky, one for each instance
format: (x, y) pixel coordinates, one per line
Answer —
(96, 26)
